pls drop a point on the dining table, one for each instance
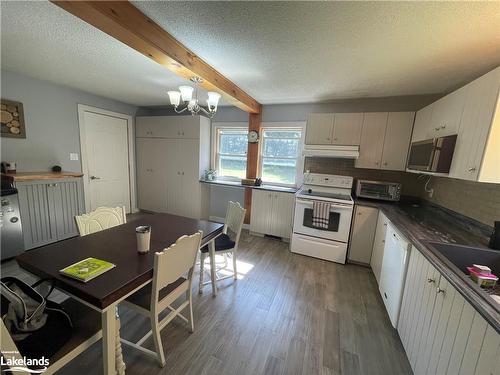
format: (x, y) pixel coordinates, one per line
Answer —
(132, 270)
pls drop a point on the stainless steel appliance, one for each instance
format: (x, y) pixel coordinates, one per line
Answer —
(325, 243)
(432, 155)
(387, 191)
(11, 232)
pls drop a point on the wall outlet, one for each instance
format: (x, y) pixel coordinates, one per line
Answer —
(73, 156)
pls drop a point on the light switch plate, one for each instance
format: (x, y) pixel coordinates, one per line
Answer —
(73, 156)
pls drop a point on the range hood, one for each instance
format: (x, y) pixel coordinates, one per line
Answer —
(331, 151)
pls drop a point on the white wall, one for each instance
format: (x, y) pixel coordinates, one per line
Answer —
(51, 119)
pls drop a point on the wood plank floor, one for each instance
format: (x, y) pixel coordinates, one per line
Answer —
(287, 314)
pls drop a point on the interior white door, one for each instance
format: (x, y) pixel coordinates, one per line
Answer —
(107, 155)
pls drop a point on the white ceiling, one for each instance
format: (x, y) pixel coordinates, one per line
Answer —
(279, 52)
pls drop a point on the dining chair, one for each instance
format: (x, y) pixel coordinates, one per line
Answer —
(99, 219)
(172, 278)
(226, 243)
(85, 332)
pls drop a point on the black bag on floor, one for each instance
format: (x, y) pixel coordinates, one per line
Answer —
(38, 326)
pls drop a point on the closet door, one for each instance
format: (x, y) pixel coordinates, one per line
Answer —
(372, 140)
(151, 160)
(189, 188)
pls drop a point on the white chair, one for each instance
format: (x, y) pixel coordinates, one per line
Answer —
(172, 277)
(226, 243)
(99, 219)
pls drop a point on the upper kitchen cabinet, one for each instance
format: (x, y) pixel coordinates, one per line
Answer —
(319, 129)
(385, 138)
(397, 140)
(446, 114)
(372, 140)
(477, 151)
(422, 125)
(343, 129)
(167, 127)
(347, 129)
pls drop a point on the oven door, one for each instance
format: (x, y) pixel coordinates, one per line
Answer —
(339, 223)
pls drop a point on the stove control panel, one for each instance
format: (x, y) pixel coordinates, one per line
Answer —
(329, 180)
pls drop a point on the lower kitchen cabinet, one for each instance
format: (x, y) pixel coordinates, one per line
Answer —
(441, 332)
(272, 213)
(48, 209)
(378, 245)
(363, 231)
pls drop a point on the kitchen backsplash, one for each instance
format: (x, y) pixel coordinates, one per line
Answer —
(345, 167)
(476, 200)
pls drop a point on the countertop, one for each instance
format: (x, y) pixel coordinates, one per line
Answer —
(31, 176)
(421, 223)
(237, 184)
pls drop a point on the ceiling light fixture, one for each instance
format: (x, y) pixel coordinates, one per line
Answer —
(185, 94)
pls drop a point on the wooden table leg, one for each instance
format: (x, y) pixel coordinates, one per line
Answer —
(213, 274)
(119, 363)
(109, 340)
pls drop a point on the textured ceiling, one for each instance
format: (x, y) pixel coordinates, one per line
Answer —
(41, 40)
(279, 52)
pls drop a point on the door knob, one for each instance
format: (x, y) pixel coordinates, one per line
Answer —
(431, 280)
(439, 290)
(472, 169)
(94, 178)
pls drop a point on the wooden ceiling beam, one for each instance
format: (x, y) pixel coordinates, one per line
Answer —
(124, 22)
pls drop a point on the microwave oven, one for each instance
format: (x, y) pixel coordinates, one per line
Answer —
(432, 155)
(387, 191)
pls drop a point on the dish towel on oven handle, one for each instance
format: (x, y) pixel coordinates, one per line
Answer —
(321, 214)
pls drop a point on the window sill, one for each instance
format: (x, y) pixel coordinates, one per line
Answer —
(238, 184)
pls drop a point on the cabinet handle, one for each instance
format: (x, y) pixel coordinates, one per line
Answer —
(182, 173)
(385, 224)
(328, 139)
(376, 163)
(335, 139)
(431, 281)
(385, 163)
(443, 126)
(436, 129)
(94, 178)
(182, 133)
(439, 290)
(472, 169)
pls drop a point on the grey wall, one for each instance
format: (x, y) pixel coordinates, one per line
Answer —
(51, 118)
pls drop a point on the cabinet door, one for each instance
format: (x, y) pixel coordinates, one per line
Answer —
(422, 124)
(155, 127)
(475, 125)
(189, 189)
(347, 128)
(67, 198)
(378, 245)
(283, 214)
(319, 129)
(363, 231)
(446, 114)
(150, 174)
(37, 215)
(397, 140)
(372, 140)
(187, 126)
(261, 209)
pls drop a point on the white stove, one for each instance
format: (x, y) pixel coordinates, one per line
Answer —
(325, 243)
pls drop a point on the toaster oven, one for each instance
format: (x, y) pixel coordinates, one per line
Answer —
(387, 191)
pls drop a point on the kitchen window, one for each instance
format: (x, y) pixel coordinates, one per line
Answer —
(231, 152)
(279, 155)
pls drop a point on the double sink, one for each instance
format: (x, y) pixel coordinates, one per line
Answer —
(465, 256)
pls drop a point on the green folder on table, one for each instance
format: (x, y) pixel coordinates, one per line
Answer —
(87, 269)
